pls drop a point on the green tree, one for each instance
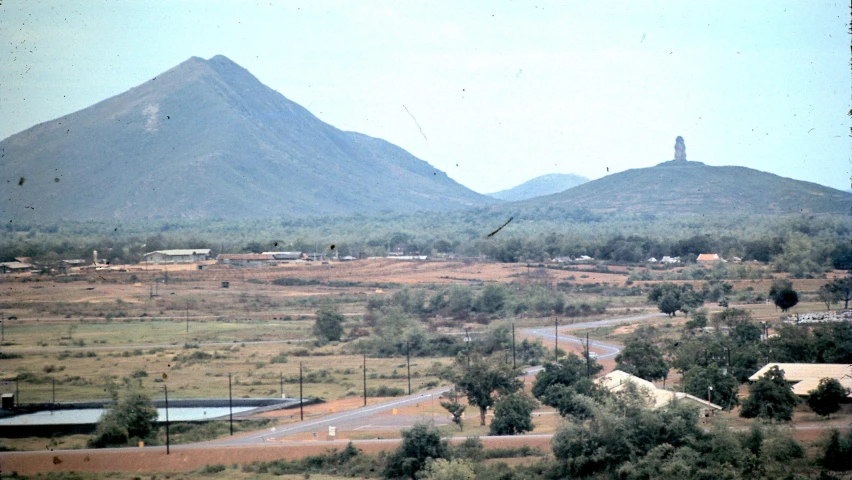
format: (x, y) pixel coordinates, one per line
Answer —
(328, 326)
(787, 299)
(777, 285)
(130, 418)
(843, 288)
(698, 382)
(827, 295)
(513, 414)
(482, 380)
(493, 298)
(669, 304)
(419, 444)
(782, 294)
(826, 399)
(455, 408)
(770, 397)
(643, 359)
(569, 370)
(837, 451)
(441, 469)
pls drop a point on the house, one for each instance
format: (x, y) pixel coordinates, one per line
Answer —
(617, 381)
(178, 256)
(652, 260)
(285, 256)
(668, 259)
(246, 259)
(806, 376)
(584, 259)
(708, 259)
(15, 267)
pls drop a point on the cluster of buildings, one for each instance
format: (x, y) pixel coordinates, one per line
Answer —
(200, 255)
(805, 377)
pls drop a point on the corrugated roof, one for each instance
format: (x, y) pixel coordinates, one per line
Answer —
(617, 380)
(707, 257)
(804, 387)
(16, 265)
(184, 251)
(244, 256)
(796, 372)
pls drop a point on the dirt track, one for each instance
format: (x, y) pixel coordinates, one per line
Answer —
(185, 458)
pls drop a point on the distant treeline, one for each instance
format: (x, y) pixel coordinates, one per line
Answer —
(536, 236)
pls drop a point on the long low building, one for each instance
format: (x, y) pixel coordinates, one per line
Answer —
(616, 381)
(178, 256)
(806, 376)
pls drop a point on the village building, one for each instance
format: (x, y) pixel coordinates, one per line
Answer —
(246, 259)
(805, 377)
(668, 259)
(285, 256)
(178, 256)
(617, 381)
(708, 259)
(15, 267)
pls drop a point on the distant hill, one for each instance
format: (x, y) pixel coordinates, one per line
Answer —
(684, 187)
(206, 139)
(539, 186)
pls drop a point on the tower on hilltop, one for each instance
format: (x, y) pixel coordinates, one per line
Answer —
(680, 149)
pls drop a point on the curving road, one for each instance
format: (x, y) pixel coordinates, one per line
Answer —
(603, 349)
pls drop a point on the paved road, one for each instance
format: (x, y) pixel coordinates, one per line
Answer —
(603, 349)
(320, 425)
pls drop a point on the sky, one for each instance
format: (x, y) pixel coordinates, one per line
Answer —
(494, 93)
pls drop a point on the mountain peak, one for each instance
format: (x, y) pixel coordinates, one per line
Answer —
(207, 139)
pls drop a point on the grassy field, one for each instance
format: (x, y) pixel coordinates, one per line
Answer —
(79, 338)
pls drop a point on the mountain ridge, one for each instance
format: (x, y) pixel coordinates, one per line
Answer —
(539, 186)
(690, 187)
(207, 139)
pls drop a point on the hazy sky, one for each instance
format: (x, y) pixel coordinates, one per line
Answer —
(503, 91)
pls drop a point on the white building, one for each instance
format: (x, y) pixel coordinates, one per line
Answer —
(178, 256)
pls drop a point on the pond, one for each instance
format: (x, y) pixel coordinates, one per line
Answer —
(85, 416)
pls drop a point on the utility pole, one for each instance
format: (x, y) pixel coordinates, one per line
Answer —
(230, 405)
(408, 364)
(556, 338)
(468, 340)
(514, 364)
(187, 319)
(588, 358)
(365, 380)
(166, 391)
(301, 405)
(2, 328)
(54, 392)
(281, 383)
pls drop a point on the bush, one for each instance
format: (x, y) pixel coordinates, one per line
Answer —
(294, 282)
(131, 418)
(280, 358)
(385, 391)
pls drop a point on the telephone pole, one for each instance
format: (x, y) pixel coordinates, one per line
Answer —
(166, 392)
(230, 405)
(514, 364)
(301, 404)
(556, 338)
(365, 380)
(408, 364)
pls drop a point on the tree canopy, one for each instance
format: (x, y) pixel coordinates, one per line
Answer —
(642, 358)
(770, 397)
